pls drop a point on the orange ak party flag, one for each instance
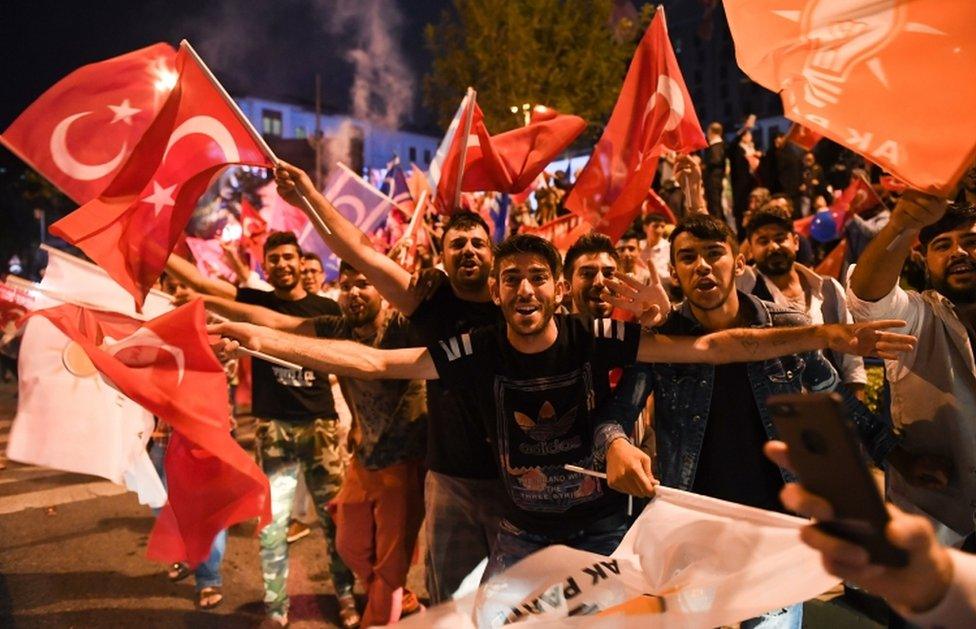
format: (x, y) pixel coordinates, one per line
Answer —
(889, 79)
(653, 112)
(166, 366)
(132, 226)
(79, 132)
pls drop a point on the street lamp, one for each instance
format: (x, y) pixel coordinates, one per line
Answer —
(526, 110)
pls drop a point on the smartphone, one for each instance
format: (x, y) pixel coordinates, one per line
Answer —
(826, 454)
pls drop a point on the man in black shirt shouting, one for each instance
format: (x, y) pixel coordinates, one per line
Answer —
(537, 378)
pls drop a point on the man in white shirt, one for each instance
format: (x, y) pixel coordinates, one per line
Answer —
(933, 389)
(777, 277)
(657, 249)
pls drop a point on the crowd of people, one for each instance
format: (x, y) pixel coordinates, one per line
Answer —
(476, 378)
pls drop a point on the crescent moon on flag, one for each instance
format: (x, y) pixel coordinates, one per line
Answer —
(356, 204)
(145, 338)
(71, 166)
(670, 91)
(210, 127)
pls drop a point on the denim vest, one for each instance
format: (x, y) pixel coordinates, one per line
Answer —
(683, 395)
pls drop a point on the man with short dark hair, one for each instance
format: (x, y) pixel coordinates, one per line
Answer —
(657, 248)
(711, 421)
(933, 391)
(590, 261)
(628, 252)
(713, 170)
(313, 273)
(780, 279)
(462, 497)
(298, 428)
(536, 379)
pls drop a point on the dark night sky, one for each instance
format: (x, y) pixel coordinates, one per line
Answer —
(269, 48)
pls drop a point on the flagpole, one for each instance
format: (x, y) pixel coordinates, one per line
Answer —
(463, 153)
(257, 137)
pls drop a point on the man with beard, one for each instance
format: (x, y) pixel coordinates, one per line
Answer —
(711, 421)
(380, 506)
(933, 392)
(778, 278)
(461, 494)
(298, 427)
(589, 263)
(536, 379)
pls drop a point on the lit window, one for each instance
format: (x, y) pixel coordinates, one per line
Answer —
(300, 133)
(271, 122)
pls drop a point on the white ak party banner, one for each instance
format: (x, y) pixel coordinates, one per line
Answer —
(689, 561)
(68, 417)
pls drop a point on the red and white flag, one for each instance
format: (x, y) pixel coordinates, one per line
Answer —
(68, 418)
(653, 112)
(834, 61)
(166, 366)
(511, 161)
(803, 137)
(133, 225)
(447, 168)
(79, 132)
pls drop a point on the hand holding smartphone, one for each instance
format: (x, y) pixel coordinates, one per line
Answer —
(827, 457)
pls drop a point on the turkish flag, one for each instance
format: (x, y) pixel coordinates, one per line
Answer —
(447, 167)
(132, 226)
(657, 205)
(653, 112)
(833, 263)
(79, 132)
(510, 161)
(834, 61)
(803, 137)
(167, 367)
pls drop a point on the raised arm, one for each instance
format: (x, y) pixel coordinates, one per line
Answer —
(752, 344)
(186, 272)
(258, 315)
(343, 358)
(348, 243)
(880, 264)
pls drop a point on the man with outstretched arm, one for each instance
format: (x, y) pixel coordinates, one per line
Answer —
(461, 492)
(536, 378)
(933, 392)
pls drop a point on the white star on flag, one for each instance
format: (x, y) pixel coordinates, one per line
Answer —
(161, 197)
(123, 112)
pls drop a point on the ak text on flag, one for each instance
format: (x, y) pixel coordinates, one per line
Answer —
(889, 79)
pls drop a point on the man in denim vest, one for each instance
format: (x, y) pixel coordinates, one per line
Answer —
(711, 421)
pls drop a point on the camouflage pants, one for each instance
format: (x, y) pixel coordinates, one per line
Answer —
(285, 450)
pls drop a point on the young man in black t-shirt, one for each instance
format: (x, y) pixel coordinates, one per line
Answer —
(536, 379)
(298, 427)
(463, 503)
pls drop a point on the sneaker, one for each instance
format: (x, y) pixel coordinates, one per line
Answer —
(347, 612)
(411, 604)
(296, 531)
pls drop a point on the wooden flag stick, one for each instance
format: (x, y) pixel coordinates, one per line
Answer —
(257, 137)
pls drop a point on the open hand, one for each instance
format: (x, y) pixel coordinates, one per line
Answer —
(869, 338)
(649, 303)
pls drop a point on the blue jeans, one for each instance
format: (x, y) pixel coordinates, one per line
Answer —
(208, 573)
(514, 544)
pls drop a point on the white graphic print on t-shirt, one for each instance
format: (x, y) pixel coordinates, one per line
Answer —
(541, 427)
(293, 377)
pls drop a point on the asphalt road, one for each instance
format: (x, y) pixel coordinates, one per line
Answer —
(72, 554)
